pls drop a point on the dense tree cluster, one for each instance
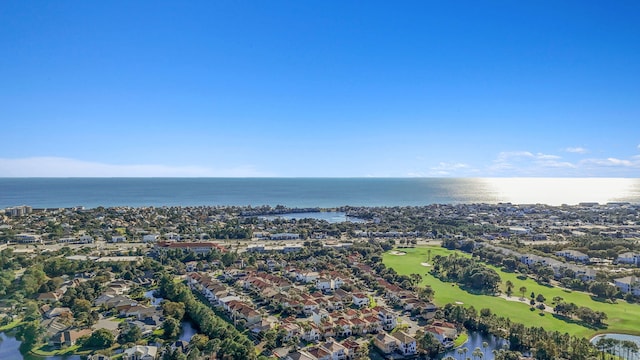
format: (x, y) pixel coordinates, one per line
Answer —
(233, 344)
(585, 314)
(466, 271)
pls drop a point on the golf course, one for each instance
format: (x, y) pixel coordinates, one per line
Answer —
(622, 316)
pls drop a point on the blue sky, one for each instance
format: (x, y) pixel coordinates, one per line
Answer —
(320, 88)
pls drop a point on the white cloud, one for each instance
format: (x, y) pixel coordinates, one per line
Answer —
(541, 156)
(506, 155)
(514, 154)
(576, 150)
(451, 169)
(65, 167)
(613, 162)
(556, 164)
(450, 166)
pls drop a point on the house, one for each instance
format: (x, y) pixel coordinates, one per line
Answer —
(628, 284)
(300, 355)
(118, 239)
(319, 353)
(262, 326)
(360, 299)
(351, 348)
(291, 248)
(172, 236)
(309, 306)
(284, 236)
(335, 349)
(290, 330)
(113, 301)
(140, 352)
(406, 344)
(387, 317)
(199, 247)
(307, 276)
(68, 337)
(343, 327)
(629, 258)
(443, 331)
(150, 238)
(58, 311)
(385, 343)
(98, 357)
(28, 238)
(50, 297)
(310, 332)
(324, 284)
(573, 255)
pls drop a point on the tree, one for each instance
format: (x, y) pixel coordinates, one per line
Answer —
(523, 289)
(603, 290)
(81, 306)
(173, 309)
(509, 286)
(426, 293)
(100, 339)
(6, 278)
(171, 328)
(30, 334)
(198, 341)
(427, 343)
(477, 353)
(129, 334)
(362, 353)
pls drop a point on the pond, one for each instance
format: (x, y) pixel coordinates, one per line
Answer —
(622, 352)
(10, 350)
(476, 340)
(187, 329)
(154, 300)
(329, 216)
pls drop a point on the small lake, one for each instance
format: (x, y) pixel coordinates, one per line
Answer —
(10, 350)
(622, 337)
(330, 216)
(475, 340)
(187, 329)
(154, 300)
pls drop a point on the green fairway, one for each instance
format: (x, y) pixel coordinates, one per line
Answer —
(622, 317)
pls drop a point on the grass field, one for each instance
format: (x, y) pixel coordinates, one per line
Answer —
(622, 317)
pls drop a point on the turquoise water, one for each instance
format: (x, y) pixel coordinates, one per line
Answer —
(309, 192)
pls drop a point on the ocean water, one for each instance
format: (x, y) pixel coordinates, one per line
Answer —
(310, 192)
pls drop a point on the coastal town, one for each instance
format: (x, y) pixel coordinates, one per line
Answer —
(124, 283)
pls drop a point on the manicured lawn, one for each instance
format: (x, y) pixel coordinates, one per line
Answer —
(461, 339)
(622, 317)
(46, 350)
(10, 325)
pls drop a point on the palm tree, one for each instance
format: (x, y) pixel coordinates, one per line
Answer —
(449, 358)
(460, 352)
(477, 353)
(465, 350)
(485, 345)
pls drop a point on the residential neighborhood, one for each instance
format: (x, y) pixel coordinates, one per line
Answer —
(297, 289)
